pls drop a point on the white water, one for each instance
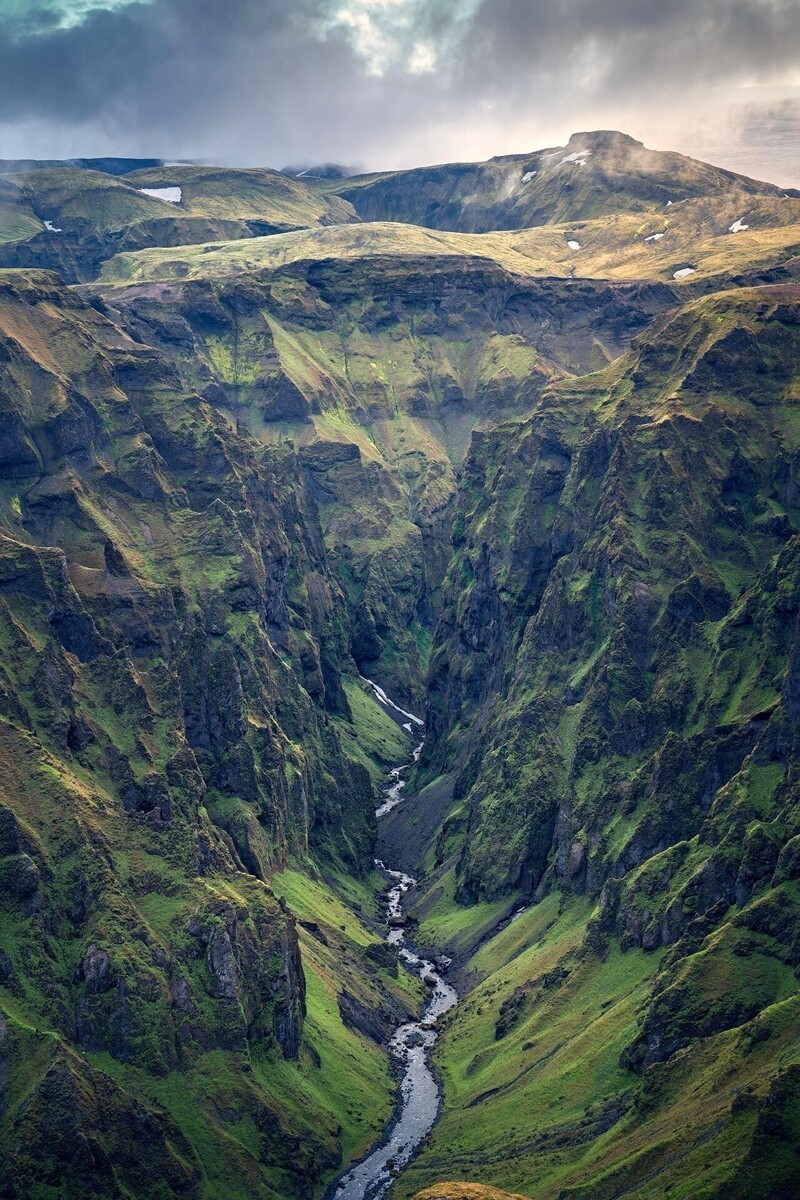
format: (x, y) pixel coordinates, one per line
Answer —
(411, 1044)
(389, 703)
(397, 783)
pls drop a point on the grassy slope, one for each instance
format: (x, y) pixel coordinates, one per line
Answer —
(548, 1110)
(351, 1079)
(371, 736)
(108, 202)
(241, 194)
(94, 215)
(695, 233)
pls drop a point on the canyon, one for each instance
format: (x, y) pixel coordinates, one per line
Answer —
(288, 467)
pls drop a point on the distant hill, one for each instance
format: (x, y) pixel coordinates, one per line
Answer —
(109, 166)
(594, 174)
(72, 219)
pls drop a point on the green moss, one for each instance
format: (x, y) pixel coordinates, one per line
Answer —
(371, 735)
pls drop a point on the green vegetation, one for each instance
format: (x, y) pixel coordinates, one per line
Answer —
(170, 736)
(371, 735)
(92, 215)
(549, 495)
(635, 781)
(613, 247)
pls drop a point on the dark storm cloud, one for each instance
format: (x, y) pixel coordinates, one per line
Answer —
(610, 49)
(146, 56)
(370, 80)
(250, 78)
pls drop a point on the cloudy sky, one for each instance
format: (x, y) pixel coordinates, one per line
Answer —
(380, 83)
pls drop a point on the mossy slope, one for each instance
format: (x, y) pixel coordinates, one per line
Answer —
(174, 727)
(620, 620)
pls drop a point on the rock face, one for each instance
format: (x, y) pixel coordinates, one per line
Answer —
(171, 704)
(620, 625)
(77, 1116)
(629, 553)
(378, 371)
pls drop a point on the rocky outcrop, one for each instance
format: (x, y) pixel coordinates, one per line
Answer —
(303, 344)
(105, 1138)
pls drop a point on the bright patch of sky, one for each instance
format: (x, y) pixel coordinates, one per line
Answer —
(395, 34)
(31, 16)
(382, 32)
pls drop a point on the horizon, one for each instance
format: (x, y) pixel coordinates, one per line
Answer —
(778, 164)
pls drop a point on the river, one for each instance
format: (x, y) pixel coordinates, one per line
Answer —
(418, 1096)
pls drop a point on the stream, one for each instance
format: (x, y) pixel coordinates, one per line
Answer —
(417, 1103)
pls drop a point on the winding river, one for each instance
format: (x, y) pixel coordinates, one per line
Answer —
(417, 1102)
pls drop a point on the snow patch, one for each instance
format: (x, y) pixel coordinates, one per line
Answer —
(669, 204)
(51, 227)
(654, 237)
(578, 157)
(738, 226)
(528, 176)
(684, 271)
(172, 195)
(573, 245)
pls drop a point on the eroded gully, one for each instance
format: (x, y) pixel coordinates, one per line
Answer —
(418, 1096)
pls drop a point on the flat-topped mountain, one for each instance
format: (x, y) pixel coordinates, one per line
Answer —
(595, 173)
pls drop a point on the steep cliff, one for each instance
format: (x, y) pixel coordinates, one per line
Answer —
(550, 492)
(377, 371)
(174, 727)
(613, 689)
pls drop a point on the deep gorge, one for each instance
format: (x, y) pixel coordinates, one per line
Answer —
(243, 498)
